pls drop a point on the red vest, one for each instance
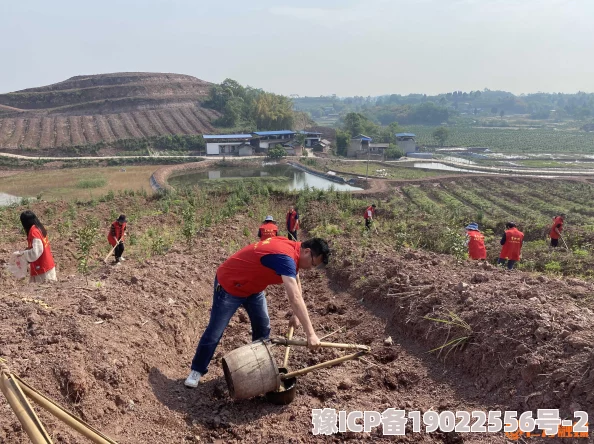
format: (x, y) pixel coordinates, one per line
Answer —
(553, 233)
(369, 208)
(513, 245)
(117, 230)
(243, 275)
(268, 230)
(46, 261)
(292, 220)
(476, 245)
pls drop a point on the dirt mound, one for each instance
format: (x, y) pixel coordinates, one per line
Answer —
(525, 341)
(108, 107)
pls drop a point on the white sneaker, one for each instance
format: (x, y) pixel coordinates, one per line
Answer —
(122, 258)
(193, 379)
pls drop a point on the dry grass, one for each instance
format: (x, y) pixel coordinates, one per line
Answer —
(65, 183)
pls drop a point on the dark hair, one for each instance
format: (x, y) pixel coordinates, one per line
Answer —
(319, 247)
(510, 225)
(373, 205)
(28, 219)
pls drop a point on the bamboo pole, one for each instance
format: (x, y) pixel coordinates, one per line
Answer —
(330, 363)
(64, 415)
(23, 410)
(300, 342)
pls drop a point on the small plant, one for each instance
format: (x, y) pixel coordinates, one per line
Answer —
(246, 232)
(452, 320)
(553, 267)
(87, 236)
(189, 223)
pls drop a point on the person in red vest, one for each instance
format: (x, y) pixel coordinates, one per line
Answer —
(475, 242)
(116, 234)
(511, 249)
(556, 229)
(369, 214)
(242, 279)
(292, 223)
(268, 228)
(38, 252)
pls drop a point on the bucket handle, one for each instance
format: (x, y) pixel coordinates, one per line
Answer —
(330, 363)
(300, 342)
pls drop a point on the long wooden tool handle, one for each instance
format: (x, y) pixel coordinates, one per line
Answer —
(330, 363)
(300, 342)
(112, 250)
(289, 337)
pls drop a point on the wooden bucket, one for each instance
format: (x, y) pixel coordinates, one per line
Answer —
(251, 371)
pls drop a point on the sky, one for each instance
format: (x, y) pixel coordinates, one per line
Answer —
(307, 47)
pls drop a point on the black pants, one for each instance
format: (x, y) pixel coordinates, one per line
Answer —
(368, 224)
(510, 263)
(119, 250)
(292, 235)
(554, 242)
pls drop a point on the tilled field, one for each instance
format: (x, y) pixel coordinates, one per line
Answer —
(117, 352)
(63, 131)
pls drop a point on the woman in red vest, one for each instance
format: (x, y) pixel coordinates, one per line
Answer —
(268, 229)
(116, 234)
(368, 216)
(242, 279)
(475, 242)
(292, 223)
(511, 250)
(38, 252)
(556, 230)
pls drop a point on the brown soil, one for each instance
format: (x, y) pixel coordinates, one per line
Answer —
(89, 109)
(117, 353)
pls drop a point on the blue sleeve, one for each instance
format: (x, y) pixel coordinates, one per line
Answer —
(502, 241)
(282, 264)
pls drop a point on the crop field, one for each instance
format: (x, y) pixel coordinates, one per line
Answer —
(432, 216)
(64, 131)
(515, 140)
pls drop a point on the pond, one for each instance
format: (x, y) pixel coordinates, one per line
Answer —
(7, 199)
(296, 179)
(441, 166)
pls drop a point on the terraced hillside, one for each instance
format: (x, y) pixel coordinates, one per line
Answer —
(106, 107)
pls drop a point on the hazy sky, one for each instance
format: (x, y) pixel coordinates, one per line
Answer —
(307, 47)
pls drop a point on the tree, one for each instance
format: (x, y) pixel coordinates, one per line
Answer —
(501, 113)
(277, 152)
(441, 134)
(494, 110)
(342, 142)
(393, 152)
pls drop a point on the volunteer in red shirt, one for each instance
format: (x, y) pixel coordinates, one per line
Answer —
(292, 223)
(556, 230)
(475, 242)
(115, 237)
(242, 279)
(369, 214)
(511, 250)
(268, 229)
(38, 252)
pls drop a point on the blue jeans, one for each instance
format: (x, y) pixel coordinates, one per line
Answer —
(510, 263)
(224, 307)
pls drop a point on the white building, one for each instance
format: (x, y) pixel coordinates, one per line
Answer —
(406, 142)
(270, 139)
(227, 144)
